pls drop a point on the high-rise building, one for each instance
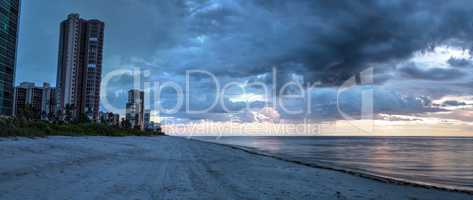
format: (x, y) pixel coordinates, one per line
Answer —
(80, 66)
(48, 107)
(152, 121)
(110, 119)
(147, 118)
(135, 109)
(39, 100)
(27, 94)
(9, 19)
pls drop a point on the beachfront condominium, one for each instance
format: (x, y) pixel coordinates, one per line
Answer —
(48, 102)
(147, 118)
(39, 102)
(9, 19)
(80, 66)
(109, 118)
(135, 109)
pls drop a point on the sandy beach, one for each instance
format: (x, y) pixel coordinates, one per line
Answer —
(174, 168)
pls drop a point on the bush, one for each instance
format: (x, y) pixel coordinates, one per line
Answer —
(11, 127)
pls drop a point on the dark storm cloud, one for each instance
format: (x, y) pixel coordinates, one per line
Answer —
(364, 32)
(329, 40)
(459, 62)
(325, 104)
(436, 74)
(453, 103)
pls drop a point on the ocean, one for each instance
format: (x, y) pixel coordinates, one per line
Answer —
(445, 162)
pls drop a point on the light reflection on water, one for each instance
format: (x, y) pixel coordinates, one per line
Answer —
(440, 161)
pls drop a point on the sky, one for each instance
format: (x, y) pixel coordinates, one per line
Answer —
(407, 63)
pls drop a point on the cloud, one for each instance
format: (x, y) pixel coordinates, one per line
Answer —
(437, 74)
(464, 115)
(453, 103)
(334, 41)
(399, 118)
(324, 103)
(459, 62)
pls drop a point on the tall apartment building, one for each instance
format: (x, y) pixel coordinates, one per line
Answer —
(9, 19)
(135, 109)
(80, 66)
(41, 100)
(147, 118)
(48, 107)
(110, 119)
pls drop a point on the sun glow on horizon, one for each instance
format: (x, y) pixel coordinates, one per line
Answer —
(434, 127)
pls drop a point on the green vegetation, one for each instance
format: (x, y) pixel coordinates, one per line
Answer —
(18, 127)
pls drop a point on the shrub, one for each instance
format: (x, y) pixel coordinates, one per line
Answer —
(11, 127)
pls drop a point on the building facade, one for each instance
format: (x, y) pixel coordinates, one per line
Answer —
(38, 101)
(48, 107)
(135, 109)
(80, 66)
(110, 119)
(152, 121)
(9, 19)
(147, 118)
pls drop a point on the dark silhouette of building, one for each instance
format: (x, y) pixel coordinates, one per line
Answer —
(135, 109)
(147, 118)
(48, 107)
(40, 101)
(80, 66)
(110, 118)
(149, 121)
(9, 19)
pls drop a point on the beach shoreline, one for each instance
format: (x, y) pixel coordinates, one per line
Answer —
(371, 176)
(176, 168)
